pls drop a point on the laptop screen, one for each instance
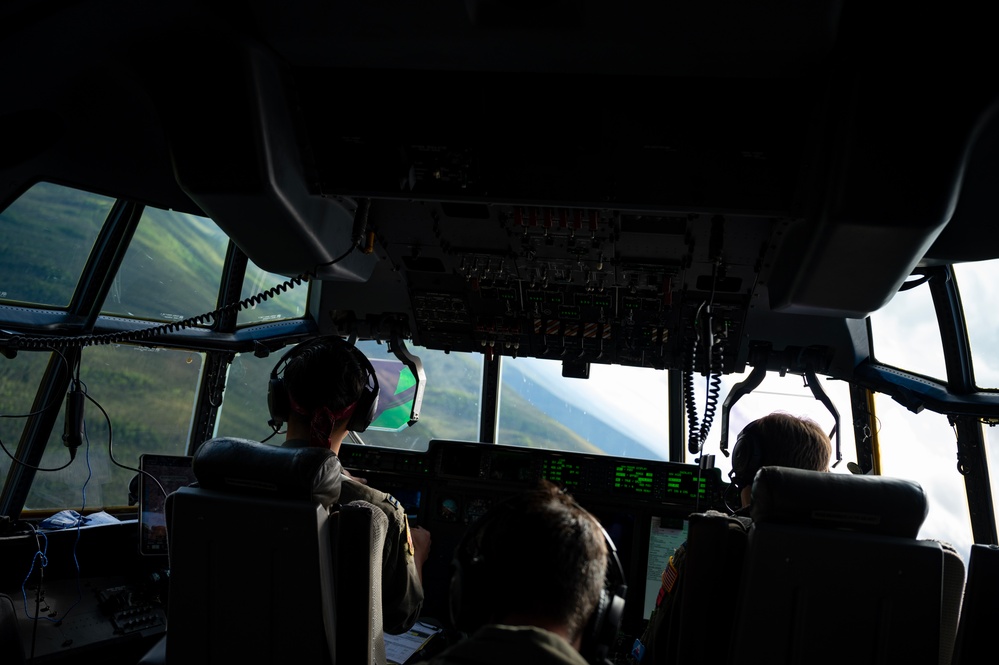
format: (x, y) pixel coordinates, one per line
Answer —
(159, 475)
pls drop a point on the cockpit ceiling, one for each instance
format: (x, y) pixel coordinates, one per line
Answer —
(555, 36)
(632, 142)
(786, 159)
(578, 286)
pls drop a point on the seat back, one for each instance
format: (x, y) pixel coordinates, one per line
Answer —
(706, 592)
(980, 606)
(251, 556)
(953, 594)
(360, 529)
(834, 573)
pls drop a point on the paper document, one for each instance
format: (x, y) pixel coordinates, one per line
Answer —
(399, 648)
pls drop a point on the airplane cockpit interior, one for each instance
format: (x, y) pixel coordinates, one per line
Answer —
(578, 241)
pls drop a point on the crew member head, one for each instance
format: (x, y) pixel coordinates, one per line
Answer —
(777, 439)
(535, 559)
(329, 391)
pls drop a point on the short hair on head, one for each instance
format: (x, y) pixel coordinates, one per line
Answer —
(792, 441)
(539, 553)
(324, 373)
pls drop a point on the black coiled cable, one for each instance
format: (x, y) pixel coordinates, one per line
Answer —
(693, 429)
(714, 390)
(19, 342)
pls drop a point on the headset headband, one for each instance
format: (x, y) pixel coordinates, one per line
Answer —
(279, 402)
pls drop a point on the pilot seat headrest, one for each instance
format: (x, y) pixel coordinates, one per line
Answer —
(869, 504)
(250, 467)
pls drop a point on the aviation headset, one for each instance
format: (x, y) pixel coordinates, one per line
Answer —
(469, 595)
(747, 456)
(279, 405)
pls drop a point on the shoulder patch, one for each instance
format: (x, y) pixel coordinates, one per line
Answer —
(671, 573)
(395, 502)
(410, 548)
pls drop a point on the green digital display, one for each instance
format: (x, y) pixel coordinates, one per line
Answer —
(686, 483)
(562, 472)
(635, 478)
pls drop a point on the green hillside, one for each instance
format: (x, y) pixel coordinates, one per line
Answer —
(172, 271)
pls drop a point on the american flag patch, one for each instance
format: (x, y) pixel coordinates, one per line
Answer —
(670, 575)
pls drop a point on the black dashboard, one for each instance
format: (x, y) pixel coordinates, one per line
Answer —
(100, 596)
(642, 504)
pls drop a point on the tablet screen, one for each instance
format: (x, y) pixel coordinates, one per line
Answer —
(159, 476)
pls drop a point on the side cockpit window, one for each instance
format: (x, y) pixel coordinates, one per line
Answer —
(140, 398)
(173, 269)
(47, 234)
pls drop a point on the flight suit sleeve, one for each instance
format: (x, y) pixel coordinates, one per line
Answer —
(402, 591)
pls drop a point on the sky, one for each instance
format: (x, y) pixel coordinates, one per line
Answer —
(919, 447)
(923, 446)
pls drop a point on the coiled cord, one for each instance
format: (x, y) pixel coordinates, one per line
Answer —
(693, 429)
(713, 391)
(80, 341)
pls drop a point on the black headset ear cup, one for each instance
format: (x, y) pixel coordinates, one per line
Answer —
(747, 456)
(601, 632)
(279, 406)
(605, 623)
(367, 402)
(277, 401)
